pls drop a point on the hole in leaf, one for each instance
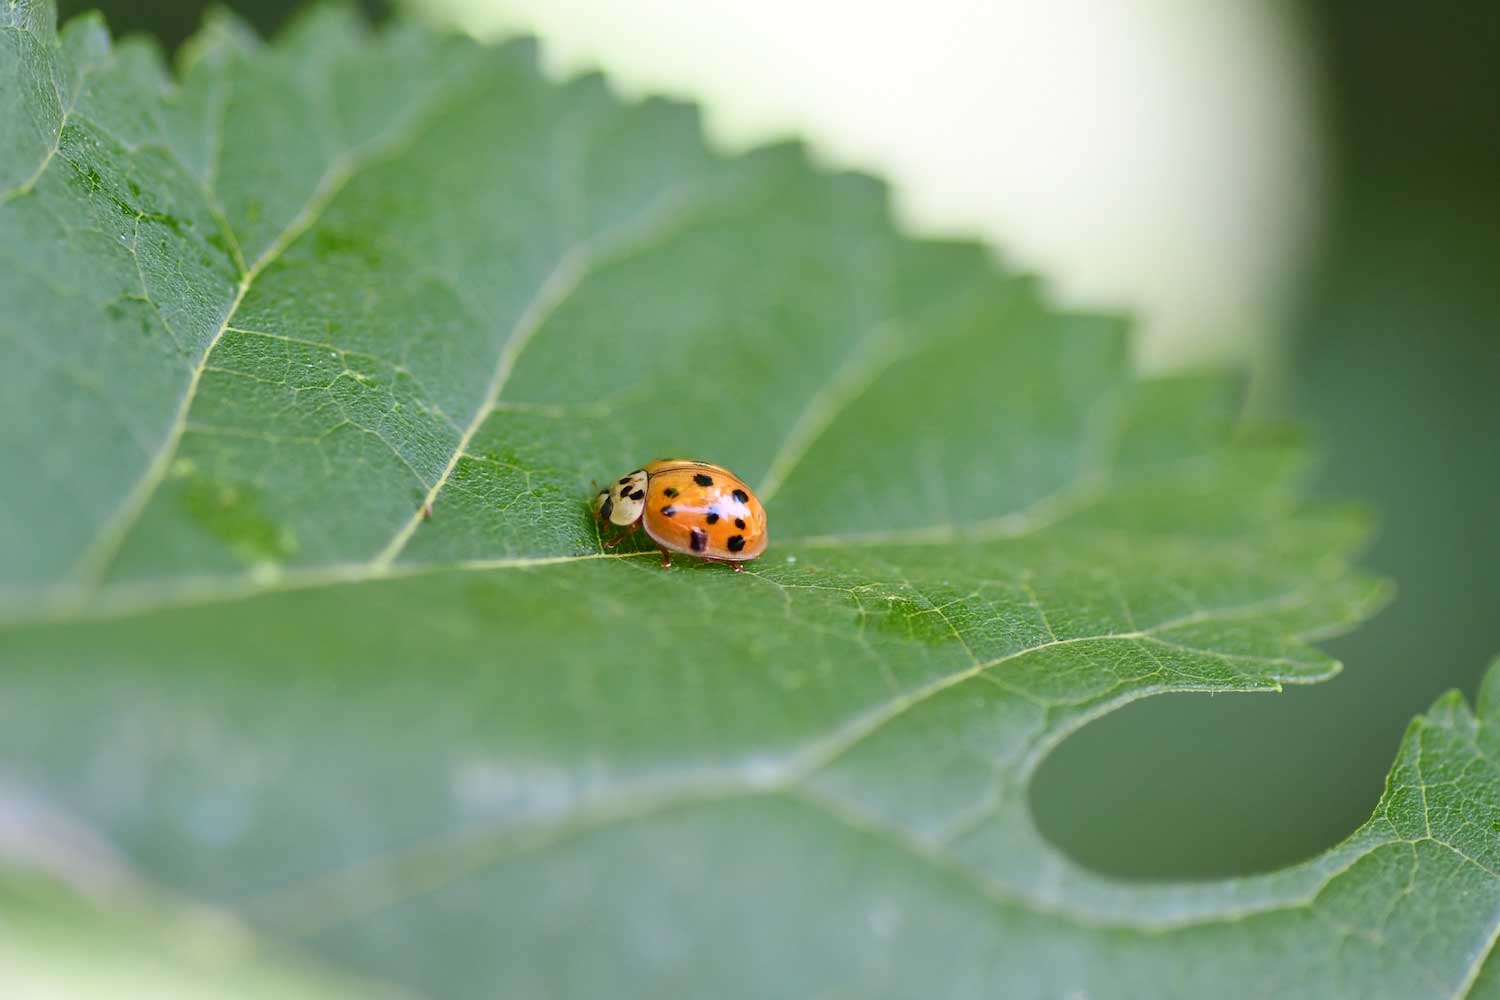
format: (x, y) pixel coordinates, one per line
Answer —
(1199, 787)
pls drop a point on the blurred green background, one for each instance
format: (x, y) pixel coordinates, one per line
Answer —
(1380, 330)
(1392, 356)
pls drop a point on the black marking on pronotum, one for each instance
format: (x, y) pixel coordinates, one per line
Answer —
(703, 480)
(742, 496)
(699, 541)
(713, 517)
(736, 542)
(607, 509)
(669, 492)
(669, 510)
(638, 495)
(624, 480)
(739, 522)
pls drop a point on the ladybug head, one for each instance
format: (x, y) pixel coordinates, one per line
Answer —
(622, 501)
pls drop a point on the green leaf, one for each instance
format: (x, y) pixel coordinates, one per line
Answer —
(262, 311)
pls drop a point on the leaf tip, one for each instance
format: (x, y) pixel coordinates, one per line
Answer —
(221, 35)
(86, 36)
(1488, 701)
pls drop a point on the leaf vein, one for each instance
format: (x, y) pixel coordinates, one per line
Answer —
(98, 558)
(571, 269)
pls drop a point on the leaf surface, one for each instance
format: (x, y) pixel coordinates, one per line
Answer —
(268, 309)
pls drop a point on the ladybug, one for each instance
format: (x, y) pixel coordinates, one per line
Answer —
(685, 506)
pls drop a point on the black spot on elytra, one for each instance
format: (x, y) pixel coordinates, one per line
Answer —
(703, 480)
(669, 492)
(669, 510)
(607, 509)
(713, 517)
(742, 496)
(736, 542)
(638, 495)
(739, 522)
(624, 480)
(699, 541)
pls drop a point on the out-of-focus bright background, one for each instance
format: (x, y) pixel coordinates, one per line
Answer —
(1310, 191)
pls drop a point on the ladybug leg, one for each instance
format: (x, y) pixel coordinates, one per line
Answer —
(666, 558)
(622, 536)
(739, 567)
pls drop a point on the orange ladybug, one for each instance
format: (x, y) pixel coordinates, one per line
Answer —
(685, 506)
